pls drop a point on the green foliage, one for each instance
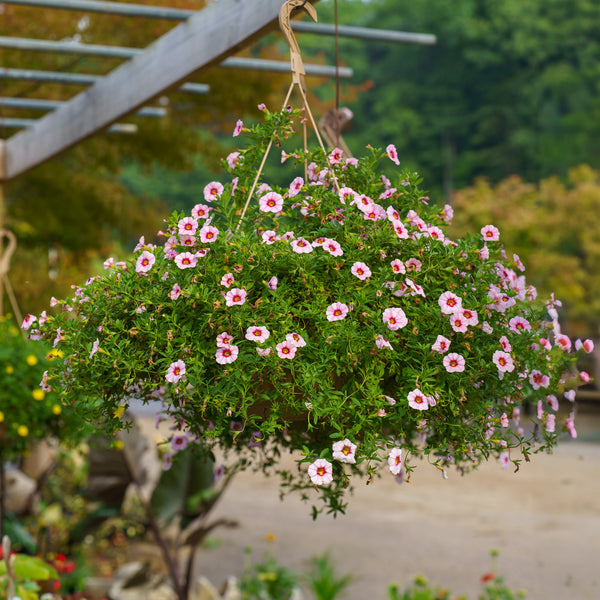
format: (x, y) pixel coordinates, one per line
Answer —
(267, 580)
(323, 580)
(344, 352)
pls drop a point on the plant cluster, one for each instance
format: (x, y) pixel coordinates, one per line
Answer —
(28, 412)
(333, 317)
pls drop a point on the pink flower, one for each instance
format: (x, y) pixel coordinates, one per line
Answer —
(490, 233)
(550, 423)
(335, 157)
(28, 321)
(224, 339)
(552, 402)
(200, 211)
(570, 395)
(505, 344)
(447, 213)
(563, 341)
(144, 262)
(344, 451)
(413, 264)
(332, 247)
(418, 400)
(167, 461)
(271, 202)
(175, 292)
(208, 234)
(360, 270)
(484, 253)
(187, 226)
(232, 159)
(348, 194)
(186, 260)
(179, 442)
(213, 190)
(519, 324)
(503, 361)
(301, 246)
(504, 459)
(295, 187)
(470, 316)
(570, 425)
(588, 346)
(268, 237)
(286, 349)
(395, 460)
(538, 380)
(401, 230)
(449, 303)
(382, 343)
(175, 371)
(295, 338)
(272, 283)
(257, 334)
(441, 344)
(238, 128)
(187, 240)
(585, 376)
(95, 347)
(504, 420)
(337, 311)
(459, 324)
(236, 296)
(321, 472)
(226, 354)
(398, 266)
(454, 363)
(227, 280)
(262, 352)
(392, 154)
(394, 318)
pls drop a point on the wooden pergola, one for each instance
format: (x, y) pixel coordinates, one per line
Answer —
(203, 39)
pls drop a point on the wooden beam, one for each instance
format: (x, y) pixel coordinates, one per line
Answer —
(205, 39)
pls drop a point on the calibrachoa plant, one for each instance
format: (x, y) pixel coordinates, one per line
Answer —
(333, 317)
(29, 409)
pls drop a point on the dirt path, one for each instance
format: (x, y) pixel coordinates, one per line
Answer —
(545, 521)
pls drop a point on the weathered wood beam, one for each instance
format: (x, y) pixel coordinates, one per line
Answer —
(204, 40)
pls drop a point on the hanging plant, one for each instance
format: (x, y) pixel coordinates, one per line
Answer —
(335, 319)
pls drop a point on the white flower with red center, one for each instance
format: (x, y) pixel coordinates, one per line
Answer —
(179, 442)
(208, 234)
(392, 214)
(382, 343)
(394, 318)
(295, 187)
(337, 311)
(257, 334)
(287, 236)
(226, 354)
(175, 371)
(470, 316)
(263, 351)
(186, 260)
(227, 280)
(459, 324)
(490, 233)
(301, 246)
(360, 270)
(286, 349)
(224, 339)
(175, 292)
(435, 233)
(344, 451)
(413, 264)
(144, 262)
(332, 247)
(28, 321)
(201, 253)
(213, 190)
(271, 202)
(395, 460)
(504, 459)
(374, 212)
(563, 341)
(238, 128)
(505, 344)
(200, 211)
(519, 324)
(447, 213)
(295, 338)
(454, 363)
(441, 344)
(321, 472)
(187, 240)
(387, 194)
(187, 226)
(392, 154)
(347, 194)
(401, 230)
(538, 380)
(391, 401)
(335, 157)
(398, 266)
(268, 237)
(233, 159)
(504, 361)
(272, 283)
(450, 303)
(484, 253)
(235, 297)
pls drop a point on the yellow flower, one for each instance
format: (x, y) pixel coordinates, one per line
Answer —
(118, 445)
(22, 430)
(38, 394)
(32, 360)
(10, 369)
(119, 412)
(1, 416)
(54, 354)
(56, 409)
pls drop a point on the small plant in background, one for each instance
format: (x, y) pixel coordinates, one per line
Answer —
(323, 581)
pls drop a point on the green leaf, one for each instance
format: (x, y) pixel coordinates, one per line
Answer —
(32, 567)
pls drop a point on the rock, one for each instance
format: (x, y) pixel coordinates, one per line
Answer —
(20, 494)
(133, 581)
(204, 590)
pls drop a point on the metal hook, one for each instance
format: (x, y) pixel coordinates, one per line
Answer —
(285, 13)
